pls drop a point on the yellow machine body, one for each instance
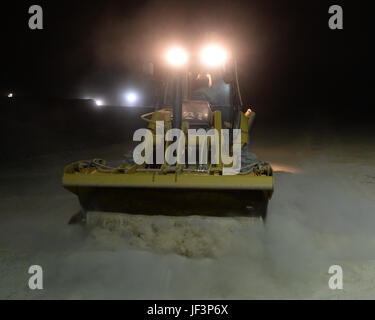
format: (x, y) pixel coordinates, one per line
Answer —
(172, 190)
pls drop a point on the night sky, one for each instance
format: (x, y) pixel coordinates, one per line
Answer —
(288, 57)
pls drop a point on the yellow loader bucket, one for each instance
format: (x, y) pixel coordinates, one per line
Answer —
(152, 192)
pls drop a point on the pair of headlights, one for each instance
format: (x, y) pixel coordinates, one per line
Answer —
(211, 56)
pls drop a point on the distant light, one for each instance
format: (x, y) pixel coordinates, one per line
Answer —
(99, 102)
(213, 56)
(177, 57)
(131, 97)
(10, 95)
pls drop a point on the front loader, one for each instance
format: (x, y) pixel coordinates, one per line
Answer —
(192, 95)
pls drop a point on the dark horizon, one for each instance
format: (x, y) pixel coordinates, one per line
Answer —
(288, 57)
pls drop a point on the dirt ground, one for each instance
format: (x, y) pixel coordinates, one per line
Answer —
(322, 214)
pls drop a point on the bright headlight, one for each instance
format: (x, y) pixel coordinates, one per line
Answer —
(98, 102)
(177, 57)
(213, 56)
(131, 98)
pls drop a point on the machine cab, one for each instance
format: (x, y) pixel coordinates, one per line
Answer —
(201, 92)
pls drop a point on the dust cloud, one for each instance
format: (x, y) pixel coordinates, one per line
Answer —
(321, 214)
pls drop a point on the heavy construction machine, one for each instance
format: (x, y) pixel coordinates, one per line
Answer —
(196, 91)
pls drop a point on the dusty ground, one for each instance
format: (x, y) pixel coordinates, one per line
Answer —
(322, 213)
